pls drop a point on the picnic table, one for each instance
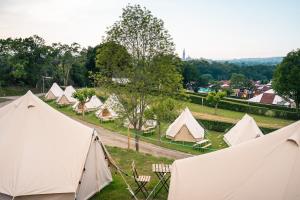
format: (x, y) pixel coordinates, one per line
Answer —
(163, 172)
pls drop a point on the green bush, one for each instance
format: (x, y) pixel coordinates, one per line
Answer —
(232, 100)
(245, 108)
(225, 126)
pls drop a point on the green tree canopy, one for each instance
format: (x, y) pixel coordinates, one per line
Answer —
(83, 95)
(286, 80)
(151, 67)
(215, 98)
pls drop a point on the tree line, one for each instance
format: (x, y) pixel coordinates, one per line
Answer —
(25, 61)
(201, 72)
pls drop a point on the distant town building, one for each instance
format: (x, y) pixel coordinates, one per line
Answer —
(183, 54)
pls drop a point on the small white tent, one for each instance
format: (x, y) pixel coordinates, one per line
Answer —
(246, 129)
(110, 109)
(185, 128)
(54, 92)
(67, 97)
(47, 155)
(265, 168)
(93, 104)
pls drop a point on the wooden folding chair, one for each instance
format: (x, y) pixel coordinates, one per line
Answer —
(141, 181)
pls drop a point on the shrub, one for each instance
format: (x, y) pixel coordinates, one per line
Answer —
(245, 108)
(225, 126)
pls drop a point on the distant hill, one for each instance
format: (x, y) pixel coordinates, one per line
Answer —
(254, 61)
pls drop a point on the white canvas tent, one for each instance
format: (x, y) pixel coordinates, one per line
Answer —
(54, 92)
(46, 155)
(110, 109)
(265, 168)
(246, 129)
(93, 104)
(67, 97)
(185, 128)
(149, 125)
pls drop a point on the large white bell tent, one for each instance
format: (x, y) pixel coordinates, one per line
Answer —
(47, 155)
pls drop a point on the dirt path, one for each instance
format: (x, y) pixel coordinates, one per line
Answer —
(111, 138)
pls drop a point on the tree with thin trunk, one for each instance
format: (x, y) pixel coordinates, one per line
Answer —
(164, 109)
(83, 95)
(148, 66)
(66, 57)
(215, 98)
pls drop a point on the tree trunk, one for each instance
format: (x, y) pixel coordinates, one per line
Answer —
(137, 139)
(159, 131)
(216, 108)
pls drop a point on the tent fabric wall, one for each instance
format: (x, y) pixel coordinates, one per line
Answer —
(186, 119)
(67, 97)
(246, 129)
(54, 92)
(184, 135)
(265, 168)
(110, 109)
(93, 178)
(62, 196)
(50, 96)
(42, 151)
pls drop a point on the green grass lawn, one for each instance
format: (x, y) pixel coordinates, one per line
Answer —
(215, 137)
(232, 116)
(123, 158)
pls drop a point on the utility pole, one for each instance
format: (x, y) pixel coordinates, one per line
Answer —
(43, 78)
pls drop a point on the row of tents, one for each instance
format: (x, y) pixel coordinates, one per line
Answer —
(47, 155)
(107, 111)
(186, 128)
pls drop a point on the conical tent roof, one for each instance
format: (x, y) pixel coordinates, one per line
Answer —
(43, 151)
(55, 90)
(265, 168)
(68, 94)
(69, 90)
(186, 118)
(93, 103)
(246, 129)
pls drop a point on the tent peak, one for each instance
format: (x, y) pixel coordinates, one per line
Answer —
(295, 138)
(29, 92)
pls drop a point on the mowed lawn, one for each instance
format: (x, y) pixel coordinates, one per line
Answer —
(205, 112)
(117, 190)
(216, 138)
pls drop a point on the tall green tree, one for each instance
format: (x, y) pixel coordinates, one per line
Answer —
(151, 69)
(83, 95)
(237, 81)
(215, 98)
(66, 57)
(164, 109)
(286, 79)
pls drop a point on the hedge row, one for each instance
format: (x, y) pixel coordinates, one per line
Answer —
(270, 106)
(225, 126)
(273, 107)
(248, 108)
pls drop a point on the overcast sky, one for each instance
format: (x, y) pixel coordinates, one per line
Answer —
(214, 29)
